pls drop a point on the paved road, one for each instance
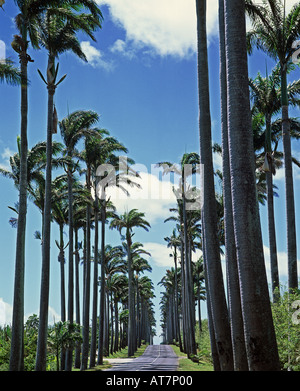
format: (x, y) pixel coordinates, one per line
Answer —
(155, 358)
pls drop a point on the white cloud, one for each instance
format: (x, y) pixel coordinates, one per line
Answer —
(5, 313)
(154, 198)
(94, 56)
(5, 157)
(282, 264)
(166, 27)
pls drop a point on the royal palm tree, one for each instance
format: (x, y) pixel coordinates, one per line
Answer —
(266, 97)
(128, 221)
(73, 128)
(26, 23)
(260, 340)
(275, 32)
(174, 243)
(208, 210)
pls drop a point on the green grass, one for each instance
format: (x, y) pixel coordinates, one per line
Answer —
(186, 364)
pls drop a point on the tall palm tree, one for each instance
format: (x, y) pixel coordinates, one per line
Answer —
(234, 297)
(26, 23)
(174, 243)
(58, 29)
(113, 170)
(128, 221)
(185, 198)
(9, 73)
(266, 97)
(275, 32)
(73, 128)
(260, 337)
(208, 210)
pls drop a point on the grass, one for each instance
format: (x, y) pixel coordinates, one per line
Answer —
(186, 364)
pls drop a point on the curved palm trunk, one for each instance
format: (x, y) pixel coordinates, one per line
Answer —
(234, 299)
(289, 186)
(95, 290)
(41, 355)
(16, 362)
(208, 212)
(260, 338)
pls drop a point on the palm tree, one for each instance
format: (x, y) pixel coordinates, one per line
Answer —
(276, 32)
(186, 199)
(112, 171)
(174, 243)
(266, 96)
(73, 128)
(26, 23)
(9, 73)
(128, 221)
(260, 337)
(58, 29)
(208, 210)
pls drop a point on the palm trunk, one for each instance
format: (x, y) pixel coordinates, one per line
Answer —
(260, 338)
(131, 331)
(86, 308)
(234, 299)
(102, 292)
(69, 352)
(77, 297)
(271, 216)
(176, 302)
(16, 362)
(289, 186)
(95, 290)
(208, 213)
(41, 355)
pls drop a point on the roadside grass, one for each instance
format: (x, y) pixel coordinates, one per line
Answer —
(185, 364)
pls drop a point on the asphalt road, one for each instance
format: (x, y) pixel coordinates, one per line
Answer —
(155, 358)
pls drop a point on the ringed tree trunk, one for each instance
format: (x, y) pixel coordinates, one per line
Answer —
(41, 355)
(234, 298)
(95, 288)
(69, 352)
(271, 216)
(208, 212)
(260, 337)
(102, 290)
(86, 309)
(16, 362)
(289, 185)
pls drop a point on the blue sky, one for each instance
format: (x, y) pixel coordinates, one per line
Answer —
(142, 79)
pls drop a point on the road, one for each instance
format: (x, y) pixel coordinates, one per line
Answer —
(155, 358)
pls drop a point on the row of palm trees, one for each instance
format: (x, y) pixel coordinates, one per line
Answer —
(54, 26)
(242, 335)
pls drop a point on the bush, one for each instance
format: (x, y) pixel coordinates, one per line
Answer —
(287, 331)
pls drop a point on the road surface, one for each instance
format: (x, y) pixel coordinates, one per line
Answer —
(155, 358)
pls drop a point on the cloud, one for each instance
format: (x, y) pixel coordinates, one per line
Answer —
(154, 198)
(166, 27)
(95, 57)
(282, 264)
(160, 254)
(5, 313)
(5, 157)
